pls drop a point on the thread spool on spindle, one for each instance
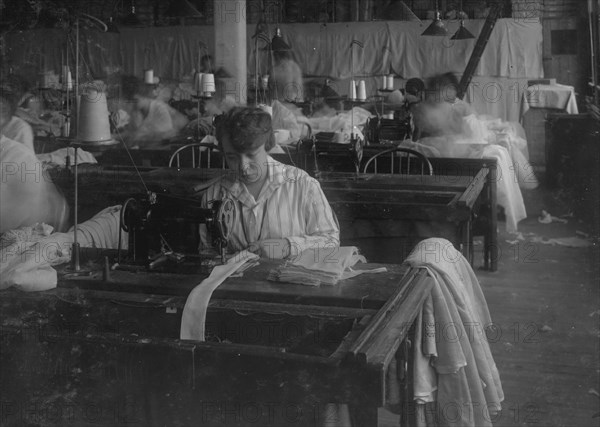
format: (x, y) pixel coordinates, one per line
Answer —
(362, 91)
(384, 83)
(94, 127)
(208, 84)
(352, 89)
(69, 84)
(149, 76)
(390, 82)
(198, 82)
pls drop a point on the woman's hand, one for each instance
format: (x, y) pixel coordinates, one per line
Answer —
(271, 248)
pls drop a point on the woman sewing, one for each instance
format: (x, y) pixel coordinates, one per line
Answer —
(282, 209)
(150, 121)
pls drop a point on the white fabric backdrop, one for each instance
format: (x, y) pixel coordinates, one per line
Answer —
(513, 54)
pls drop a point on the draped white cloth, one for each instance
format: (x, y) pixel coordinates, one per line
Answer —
(460, 371)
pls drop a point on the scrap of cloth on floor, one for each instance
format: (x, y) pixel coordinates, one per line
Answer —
(466, 377)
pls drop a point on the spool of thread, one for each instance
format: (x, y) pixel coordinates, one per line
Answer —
(198, 82)
(362, 91)
(66, 128)
(69, 81)
(93, 126)
(390, 81)
(208, 84)
(384, 83)
(352, 89)
(149, 76)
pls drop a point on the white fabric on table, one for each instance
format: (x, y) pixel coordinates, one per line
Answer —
(193, 319)
(557, 96)
(27, 261)
(59, 157)
(321, 266)
(19, 130)
(510, 174)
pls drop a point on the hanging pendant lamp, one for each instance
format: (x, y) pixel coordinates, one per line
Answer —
(132, 19)
(462, 33)
(437, 27)
(278, 44)
(111, 27)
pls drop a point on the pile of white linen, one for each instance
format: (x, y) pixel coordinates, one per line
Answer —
(28, 255)
(319, 266)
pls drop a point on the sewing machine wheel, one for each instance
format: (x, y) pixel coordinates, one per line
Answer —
(226, 217)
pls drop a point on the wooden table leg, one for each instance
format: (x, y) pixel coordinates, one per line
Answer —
(493, 223)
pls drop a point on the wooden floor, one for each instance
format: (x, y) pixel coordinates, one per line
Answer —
(545, 304)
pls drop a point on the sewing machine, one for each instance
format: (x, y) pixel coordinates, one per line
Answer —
(325, 143)
(163, 229)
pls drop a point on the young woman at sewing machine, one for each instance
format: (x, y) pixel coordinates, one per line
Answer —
(281, 209)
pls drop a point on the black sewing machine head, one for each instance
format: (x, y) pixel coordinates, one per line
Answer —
(165, 229)
(379, 130)
(323, 145)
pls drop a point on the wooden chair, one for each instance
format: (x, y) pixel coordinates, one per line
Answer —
(400, 160)
(197, 155)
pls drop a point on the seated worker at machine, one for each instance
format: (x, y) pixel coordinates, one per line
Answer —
(442, 112)
(14, 127)
(414, 91)
(151, 120)
(282, 210)
(27, 196)
(286, 83)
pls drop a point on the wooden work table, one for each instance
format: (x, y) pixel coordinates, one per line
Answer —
(429, 206)
(266, 342)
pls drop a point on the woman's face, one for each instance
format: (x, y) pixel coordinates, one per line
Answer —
(250, 166)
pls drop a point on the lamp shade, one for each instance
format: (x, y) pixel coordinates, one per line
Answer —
(182, 9)
(462, 33)
(436, 28)
(278, 44)
(111, 27)
(132, 20)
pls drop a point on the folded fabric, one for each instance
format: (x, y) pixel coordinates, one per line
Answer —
(317, 266)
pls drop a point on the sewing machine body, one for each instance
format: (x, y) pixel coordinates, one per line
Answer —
(163, 229)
